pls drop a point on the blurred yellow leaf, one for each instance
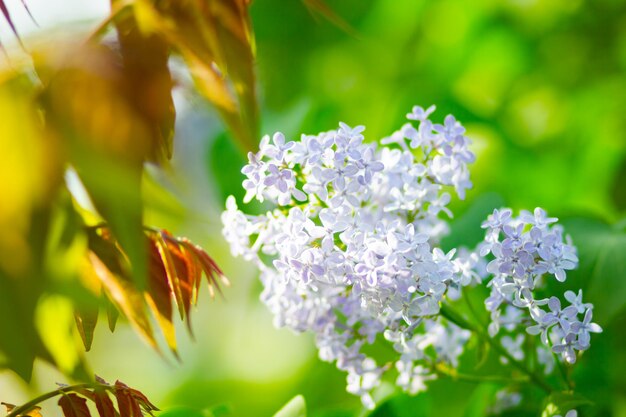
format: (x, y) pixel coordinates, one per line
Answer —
(54, 319)
(34, 412)
(125, 296)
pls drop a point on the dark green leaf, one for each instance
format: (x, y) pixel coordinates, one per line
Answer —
(86, 320)
(559, 403)
(465, 229)
(482, 397)
(182, 412)
(601, 249)
(319, 6)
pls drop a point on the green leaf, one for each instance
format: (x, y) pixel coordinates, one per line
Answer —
(481, 399)
(403, 405)
(323, 9)
(602, 271)
(112, 313)
(86, 320)
(465, 229)
(182, 412)
(559, 403)
(225, 162)
(17, 331)
(296, 407)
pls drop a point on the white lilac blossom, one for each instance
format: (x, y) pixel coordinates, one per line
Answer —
(349, 250)
(349, 253)
(527, 250)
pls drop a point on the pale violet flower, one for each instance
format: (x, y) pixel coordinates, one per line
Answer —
(348, 251)
(418, 113)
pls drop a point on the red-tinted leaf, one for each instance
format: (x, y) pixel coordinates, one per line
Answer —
(140, 397)
(210, 268)
(74, 406)
(130, 401)
(104, 405)
(184, 278)
(124, 403)
(172, 273)
(159, 295)
(195, 270)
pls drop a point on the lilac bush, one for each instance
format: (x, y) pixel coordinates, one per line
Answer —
(349, 251)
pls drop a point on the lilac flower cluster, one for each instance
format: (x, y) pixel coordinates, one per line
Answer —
(525, 250)
(348, 252)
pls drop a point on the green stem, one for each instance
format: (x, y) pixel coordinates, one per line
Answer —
(472, 310)
(459, 320)
(563, 371)
(475, 378)
(25, 408)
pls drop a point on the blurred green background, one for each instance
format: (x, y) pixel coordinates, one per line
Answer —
(540, 86)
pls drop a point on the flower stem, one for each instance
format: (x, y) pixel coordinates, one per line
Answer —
(456, 318)
(564, 374)
(440, 370)
(25, 408)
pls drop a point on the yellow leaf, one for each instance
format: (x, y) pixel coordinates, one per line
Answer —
(127, 298)
(54, 320)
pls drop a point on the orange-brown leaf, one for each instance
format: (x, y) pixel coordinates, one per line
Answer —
(159, 296)
(149, 83)
(140, 397)
(210, 268)
(172, 273)
(195, 271)
(131, 401)
(104, 405)
(215, 39)
(8, 406)
(184, 278)
(74, 406)
(124, 401)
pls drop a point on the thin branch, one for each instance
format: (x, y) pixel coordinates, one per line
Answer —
(563, 371)
(456, 318)
(477, 379)
(25, 408)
